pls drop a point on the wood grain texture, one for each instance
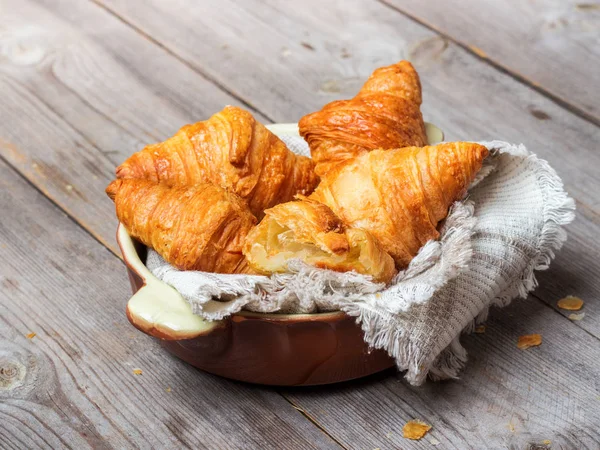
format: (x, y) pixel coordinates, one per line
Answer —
(505, 398)
(72, 385)
(81, 92)
(551, 44)
(313, 53)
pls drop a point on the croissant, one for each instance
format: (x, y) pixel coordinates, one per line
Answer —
(384, 114)
(200, 227)
(400, 195)
(309, 231)
(231, 150)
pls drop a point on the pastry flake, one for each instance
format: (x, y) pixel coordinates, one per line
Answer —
(529, 340)
(415, 429)
(570, 303)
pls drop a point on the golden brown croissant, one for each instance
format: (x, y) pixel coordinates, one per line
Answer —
(401, 195)
(309, 231)
(384, 114)
(231, 150)
(200, 227)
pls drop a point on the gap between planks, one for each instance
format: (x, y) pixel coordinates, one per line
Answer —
(479, 54)
(554, 98)
(246, 102)
(62, 208)
(311, 419)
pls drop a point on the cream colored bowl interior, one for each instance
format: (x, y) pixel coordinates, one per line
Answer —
(160, 310)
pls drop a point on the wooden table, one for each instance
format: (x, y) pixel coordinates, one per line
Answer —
(83, 84)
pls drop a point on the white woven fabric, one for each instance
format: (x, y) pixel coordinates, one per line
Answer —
(490, 245)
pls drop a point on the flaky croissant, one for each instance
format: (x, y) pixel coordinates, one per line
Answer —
(400, 195)
(309, 231)
(384, 114)
(231, 150)
(199, 227)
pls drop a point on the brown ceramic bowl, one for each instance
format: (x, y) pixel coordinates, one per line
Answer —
(273, 349)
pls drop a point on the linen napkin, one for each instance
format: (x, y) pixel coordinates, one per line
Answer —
(508, 226)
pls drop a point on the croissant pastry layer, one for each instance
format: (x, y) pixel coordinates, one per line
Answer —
(384, 114)
(401, 195)
(309, 231)
(231, 150)
(199, 227)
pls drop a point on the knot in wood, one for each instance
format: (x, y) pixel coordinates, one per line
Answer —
(11, 374)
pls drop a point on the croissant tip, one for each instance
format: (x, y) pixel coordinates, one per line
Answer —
(406, 64)
(121, 172)
(483, 152)
(112, 189)
(236, 109)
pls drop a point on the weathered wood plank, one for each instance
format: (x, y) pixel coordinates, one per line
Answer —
(80, 92)
(506, 397)
(312, 53)
(263, 54)
(553, 45)
(73, 383)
